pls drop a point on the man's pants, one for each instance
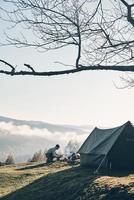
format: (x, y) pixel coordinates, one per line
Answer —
(49, 157)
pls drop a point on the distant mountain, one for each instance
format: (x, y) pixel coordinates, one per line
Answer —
(43, 125)
(23, 138)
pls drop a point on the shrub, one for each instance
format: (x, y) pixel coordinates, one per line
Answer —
(10, 160)
(37, 157)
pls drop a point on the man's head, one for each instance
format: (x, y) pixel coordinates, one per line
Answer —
(57, 146)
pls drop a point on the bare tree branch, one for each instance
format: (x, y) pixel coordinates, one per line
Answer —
(70, 71)
(11, 66)
(100, 31)
(129, 12)
(29, 67)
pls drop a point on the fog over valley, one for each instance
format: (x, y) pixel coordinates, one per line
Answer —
(23, 138)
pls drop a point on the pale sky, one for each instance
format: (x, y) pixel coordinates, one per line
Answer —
(86, 98)
(83, 98)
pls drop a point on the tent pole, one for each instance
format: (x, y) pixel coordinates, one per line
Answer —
(97, 170)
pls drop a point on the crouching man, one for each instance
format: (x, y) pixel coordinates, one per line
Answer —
(51, 153)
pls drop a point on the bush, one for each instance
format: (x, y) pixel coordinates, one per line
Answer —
(10, 160)
(37, 157)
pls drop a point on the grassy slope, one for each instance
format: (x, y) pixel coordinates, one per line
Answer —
(63, 182)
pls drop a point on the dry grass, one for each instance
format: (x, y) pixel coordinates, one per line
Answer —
(61, 181)
(12, 179)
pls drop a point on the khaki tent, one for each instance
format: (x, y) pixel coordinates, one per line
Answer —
(109, 147)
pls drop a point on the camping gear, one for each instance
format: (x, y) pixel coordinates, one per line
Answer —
(113, 148)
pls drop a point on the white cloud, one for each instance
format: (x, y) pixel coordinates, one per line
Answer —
(52, 138)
